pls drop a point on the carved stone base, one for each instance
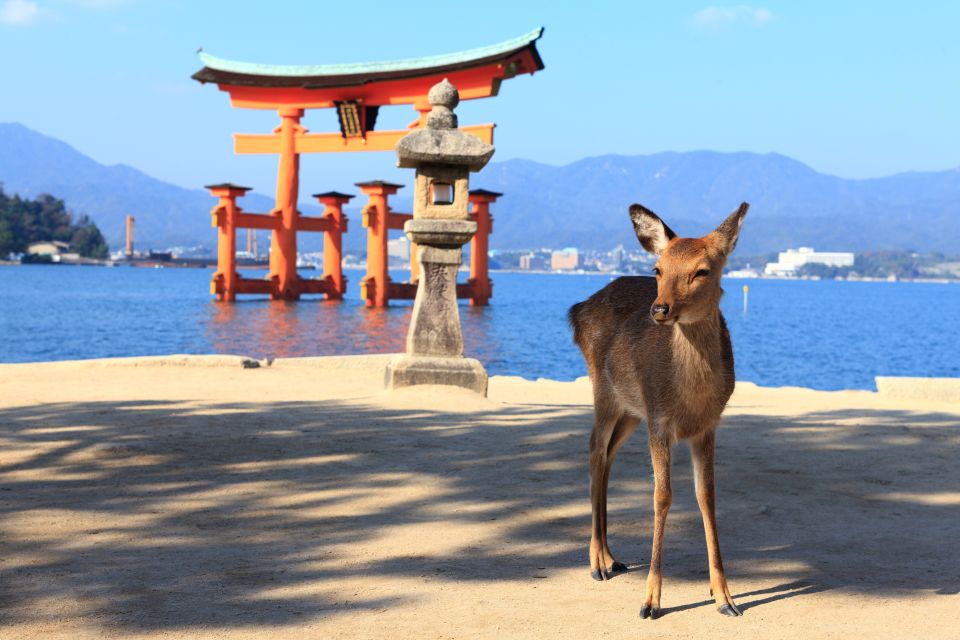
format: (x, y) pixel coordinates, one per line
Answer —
(407, 370)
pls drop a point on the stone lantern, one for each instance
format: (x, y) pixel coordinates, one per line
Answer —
(443, 157)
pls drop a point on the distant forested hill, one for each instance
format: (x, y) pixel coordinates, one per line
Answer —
(581, 204)
(23, 221)
(167, 215)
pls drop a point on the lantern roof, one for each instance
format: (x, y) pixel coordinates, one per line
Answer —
(510, 52)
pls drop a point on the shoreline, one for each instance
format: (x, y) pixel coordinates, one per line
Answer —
(933, 388)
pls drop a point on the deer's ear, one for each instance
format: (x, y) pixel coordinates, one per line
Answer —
(652, 232)
(728, 232)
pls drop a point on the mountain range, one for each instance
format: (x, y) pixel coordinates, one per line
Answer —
(582, 204)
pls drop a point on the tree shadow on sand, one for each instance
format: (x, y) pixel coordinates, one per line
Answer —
(217, 512)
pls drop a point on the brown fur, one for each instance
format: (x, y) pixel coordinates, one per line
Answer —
(658, 349)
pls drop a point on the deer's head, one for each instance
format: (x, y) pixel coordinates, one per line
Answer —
(688, 269)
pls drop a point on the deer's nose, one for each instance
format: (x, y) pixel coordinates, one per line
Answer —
(660, 312)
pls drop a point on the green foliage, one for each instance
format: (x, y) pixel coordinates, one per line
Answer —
(756, 262)
(904, 265)
(882, 264)
(36, 259)
(823, 271)
(87, 239)
(25, 221)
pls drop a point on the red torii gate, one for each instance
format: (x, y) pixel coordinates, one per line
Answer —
(356, 91)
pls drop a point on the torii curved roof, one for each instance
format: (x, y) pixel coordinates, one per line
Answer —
(230, 72)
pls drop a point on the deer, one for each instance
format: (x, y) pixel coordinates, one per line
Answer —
(658, 349)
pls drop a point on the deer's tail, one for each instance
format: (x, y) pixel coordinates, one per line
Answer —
(573, 317)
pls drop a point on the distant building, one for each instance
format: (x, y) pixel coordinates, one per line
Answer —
(48, 248)
(789, 262)
(399, 248)
(617, 256)
(533, 262)
(565, 259)
(160, 256)
(56, 250)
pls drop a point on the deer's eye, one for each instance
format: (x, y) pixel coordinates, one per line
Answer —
(656, 271)
(701, 273)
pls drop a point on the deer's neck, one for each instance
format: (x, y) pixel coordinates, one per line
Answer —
(697, 350)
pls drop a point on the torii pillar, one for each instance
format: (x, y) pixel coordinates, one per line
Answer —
(225, 214)
(333, 202)
(283, 246)
(481, 287)
(375, 286)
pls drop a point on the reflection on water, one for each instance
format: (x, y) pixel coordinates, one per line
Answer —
(310, 327)
(381, 330)
(263, 328)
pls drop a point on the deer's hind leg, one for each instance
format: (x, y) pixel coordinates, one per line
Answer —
(610, 431)
(625, 426)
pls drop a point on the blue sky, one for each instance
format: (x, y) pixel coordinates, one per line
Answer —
(857, 89)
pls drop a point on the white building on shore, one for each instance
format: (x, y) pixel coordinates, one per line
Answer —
(789, 262)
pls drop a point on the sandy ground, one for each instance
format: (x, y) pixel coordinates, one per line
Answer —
(300, 501)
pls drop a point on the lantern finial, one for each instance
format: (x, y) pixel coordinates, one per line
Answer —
(444, 98)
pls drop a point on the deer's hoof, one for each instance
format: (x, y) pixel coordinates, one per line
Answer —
(647, 611)
(602, 574)
(730, 609)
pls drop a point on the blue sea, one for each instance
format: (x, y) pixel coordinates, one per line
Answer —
(818, 334)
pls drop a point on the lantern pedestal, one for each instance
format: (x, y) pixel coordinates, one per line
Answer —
(434, 341)
(407, 371)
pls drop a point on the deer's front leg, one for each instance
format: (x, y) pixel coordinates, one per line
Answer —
(702, 450)
(662, 499)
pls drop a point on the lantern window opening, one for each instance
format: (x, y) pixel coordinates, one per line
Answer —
(441, 193)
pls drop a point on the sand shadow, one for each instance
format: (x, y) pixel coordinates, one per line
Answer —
(192, 497)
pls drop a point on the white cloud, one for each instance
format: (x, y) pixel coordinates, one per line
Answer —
(22, 13)
(720, 18)
(19, 13)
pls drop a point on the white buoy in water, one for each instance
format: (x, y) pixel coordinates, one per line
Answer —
(746, 290)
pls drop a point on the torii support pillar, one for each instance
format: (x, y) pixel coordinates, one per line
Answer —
(376, 288)
(224, 283)
(481, 287)
(333, 202)
(283, 247)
